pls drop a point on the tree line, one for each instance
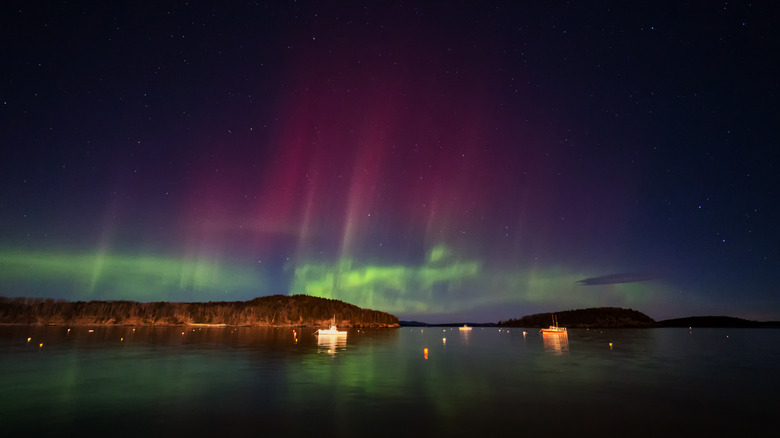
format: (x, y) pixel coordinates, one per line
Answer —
(275, 310)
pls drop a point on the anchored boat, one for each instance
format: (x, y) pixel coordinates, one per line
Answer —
(333, 330)
(554, 329)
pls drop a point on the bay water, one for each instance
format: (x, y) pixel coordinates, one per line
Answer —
(429, 381)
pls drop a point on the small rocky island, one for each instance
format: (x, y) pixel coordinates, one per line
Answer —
(269, 311)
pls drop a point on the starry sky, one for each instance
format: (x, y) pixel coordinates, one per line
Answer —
(441, 161)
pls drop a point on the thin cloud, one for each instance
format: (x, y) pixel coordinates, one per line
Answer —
(626, 277)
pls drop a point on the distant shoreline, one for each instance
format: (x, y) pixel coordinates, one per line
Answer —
(308, 311)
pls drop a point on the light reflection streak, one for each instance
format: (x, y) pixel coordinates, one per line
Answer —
(331, 344)
(556, 343)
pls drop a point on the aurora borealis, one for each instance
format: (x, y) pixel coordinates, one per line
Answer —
(439, 161)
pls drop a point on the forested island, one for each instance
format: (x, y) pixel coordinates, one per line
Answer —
(599, 317)
(269, 311)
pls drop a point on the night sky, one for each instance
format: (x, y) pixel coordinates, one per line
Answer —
(440, 161)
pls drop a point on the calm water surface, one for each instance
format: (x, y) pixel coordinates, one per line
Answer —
(258, 381)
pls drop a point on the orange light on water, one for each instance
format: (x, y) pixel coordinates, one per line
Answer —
(610, 345)
(121, 339)
(425, 353)
(40, 345)
(443, 340)
(29, 339)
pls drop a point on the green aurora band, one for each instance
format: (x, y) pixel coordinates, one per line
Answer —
(393, 288)
(119, 276)
(445, 283)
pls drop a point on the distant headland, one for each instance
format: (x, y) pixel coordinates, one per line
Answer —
(717, 321)
(615, 317)
(269, 311)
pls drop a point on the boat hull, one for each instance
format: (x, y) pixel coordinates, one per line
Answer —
(331, 332)
(554, 331)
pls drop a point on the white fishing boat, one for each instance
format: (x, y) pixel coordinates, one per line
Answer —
(333, 330)
(554, 329)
